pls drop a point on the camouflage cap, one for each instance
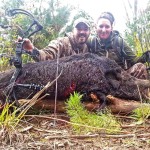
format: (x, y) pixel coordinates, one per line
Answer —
(81, 20)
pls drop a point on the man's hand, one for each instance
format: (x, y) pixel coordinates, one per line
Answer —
(139, 71)
(27, 44)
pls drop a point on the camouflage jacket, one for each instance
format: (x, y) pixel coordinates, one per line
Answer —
(114, 48)
(62, 46)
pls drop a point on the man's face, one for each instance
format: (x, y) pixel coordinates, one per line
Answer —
(104, 28)
(81, 33)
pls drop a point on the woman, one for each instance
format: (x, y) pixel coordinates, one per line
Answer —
(109, 43)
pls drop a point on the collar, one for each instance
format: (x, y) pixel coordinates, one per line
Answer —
(74, 44)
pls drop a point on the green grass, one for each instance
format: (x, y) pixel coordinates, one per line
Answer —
(7, 119)
(85, 121)
(142, 113)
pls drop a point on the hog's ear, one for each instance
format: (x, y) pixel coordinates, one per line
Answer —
(114, 83)
(114, 79)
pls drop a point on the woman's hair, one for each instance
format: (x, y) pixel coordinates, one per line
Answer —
(107, 15)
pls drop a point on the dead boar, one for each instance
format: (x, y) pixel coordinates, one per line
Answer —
(84, 73)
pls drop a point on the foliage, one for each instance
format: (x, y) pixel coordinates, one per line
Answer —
(68, 27)
(85, 121)
(137, 33)
(142, 113)
(53, 18)
(8, 123)
(7, 119)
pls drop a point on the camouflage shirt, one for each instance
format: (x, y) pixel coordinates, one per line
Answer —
(62, 46)
(114, 48)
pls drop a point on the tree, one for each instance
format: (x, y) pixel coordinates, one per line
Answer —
(138, 33)
(53, 18)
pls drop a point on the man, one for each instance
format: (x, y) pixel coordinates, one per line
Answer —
(72, 43)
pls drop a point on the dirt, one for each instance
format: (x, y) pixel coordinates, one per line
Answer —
(45, 133)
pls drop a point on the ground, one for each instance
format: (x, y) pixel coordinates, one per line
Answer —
(43, 132)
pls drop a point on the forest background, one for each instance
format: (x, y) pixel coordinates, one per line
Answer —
(57, 17)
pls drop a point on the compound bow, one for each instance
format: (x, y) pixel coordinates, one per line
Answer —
(17, 59)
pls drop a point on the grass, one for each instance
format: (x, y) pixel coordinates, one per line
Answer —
(9, 120)
(8, 123)
(83, 122)
(142, 113)
(92, 122)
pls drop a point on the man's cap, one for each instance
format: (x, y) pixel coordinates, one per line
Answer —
(81, 20)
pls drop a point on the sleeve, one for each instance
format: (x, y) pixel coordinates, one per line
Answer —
(145, 57)
(129, 54)
(53, 50)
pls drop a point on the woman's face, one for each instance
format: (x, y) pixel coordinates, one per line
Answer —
(104, 28)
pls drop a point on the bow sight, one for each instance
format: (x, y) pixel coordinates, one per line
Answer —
(17, 59)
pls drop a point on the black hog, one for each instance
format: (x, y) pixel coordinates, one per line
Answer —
(86, 73)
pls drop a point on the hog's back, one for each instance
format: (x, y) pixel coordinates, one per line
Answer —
(81, 73)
